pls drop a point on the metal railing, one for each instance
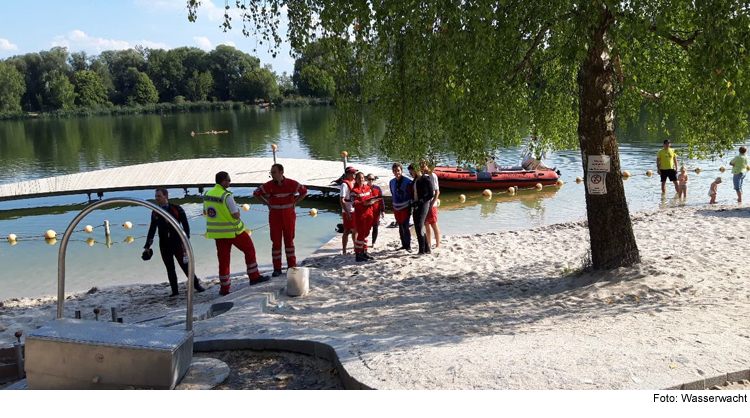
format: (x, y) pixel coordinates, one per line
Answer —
(172, 221)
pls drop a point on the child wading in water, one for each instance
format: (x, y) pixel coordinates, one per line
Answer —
(712, 190)
(683, 180)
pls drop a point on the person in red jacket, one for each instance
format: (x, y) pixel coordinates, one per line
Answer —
(378, 209)
(281, 195)
(363, 207)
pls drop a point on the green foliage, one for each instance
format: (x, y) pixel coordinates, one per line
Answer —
(12, 88)
(144, 92)
(228, 65)
(199, 86)
(108, 109)
(259, 84)
(115, 78)
(60, 92)
(464, 77)
(178, 100)
(89, 89)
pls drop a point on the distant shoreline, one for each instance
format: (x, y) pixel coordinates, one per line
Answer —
(164, 108)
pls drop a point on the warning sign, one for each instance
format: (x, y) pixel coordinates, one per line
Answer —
(599, 163)
(597, 183)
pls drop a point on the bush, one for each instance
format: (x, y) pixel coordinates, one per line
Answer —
(178, 100)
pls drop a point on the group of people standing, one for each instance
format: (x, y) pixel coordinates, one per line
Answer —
(224, 226)
(362, 208)
(666, 164)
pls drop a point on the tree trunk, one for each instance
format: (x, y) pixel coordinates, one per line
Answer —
(611, 231)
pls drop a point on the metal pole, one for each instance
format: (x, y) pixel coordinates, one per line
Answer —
(114, 314)
(119, 200)
(19, 355)
(107, 235)
(274, 155)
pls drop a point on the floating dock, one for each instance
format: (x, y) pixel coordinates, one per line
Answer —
(187, 174)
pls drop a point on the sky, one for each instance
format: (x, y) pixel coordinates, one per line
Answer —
(96, 26)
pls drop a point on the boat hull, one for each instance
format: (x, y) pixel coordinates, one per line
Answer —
(456, 178)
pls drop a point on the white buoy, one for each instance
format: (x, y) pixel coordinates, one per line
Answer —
(487, 192)
(246, 207)
(559, 183)
(50, 234)
(538, 186)
(313, 212)
(649, 173)
(462, 198)
(438, 202)
(511, 190)
(91, 241)
(128, 225)
(249, 232)
(89, 229)
(12, 238)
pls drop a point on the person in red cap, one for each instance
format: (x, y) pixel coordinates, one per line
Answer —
(347, 208)
(281, 195)
(363, 211)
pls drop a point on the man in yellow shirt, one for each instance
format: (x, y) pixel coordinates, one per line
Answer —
(666, 166)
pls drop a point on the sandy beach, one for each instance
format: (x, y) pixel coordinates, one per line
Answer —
(693, 286)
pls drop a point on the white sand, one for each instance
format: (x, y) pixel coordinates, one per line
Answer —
(520, 282)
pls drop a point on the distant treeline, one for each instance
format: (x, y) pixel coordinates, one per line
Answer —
(143, 80)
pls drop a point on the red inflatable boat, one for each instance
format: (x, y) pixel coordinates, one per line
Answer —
(459, 178)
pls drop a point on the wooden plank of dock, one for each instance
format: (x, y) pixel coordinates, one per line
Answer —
(193, 173)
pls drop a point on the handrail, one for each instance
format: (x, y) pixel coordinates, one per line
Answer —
(172, 221)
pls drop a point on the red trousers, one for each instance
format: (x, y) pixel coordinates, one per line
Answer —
(224, 251)
(282, 222)
(364, 224)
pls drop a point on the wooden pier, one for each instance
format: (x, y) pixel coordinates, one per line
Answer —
(187, 174)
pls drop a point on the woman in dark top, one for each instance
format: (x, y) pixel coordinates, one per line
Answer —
(423, 193)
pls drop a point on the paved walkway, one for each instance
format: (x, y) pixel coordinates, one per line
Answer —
(194, 173)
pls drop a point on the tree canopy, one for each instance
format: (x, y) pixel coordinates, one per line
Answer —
(465, 77)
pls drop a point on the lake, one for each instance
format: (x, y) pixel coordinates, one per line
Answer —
(38, 148)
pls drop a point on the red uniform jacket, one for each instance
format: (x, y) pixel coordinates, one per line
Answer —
(280, 196)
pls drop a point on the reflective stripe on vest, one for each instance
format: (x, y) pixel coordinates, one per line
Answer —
(219, 222)
(401, 206)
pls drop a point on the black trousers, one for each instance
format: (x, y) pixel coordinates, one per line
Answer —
(420, 215)
(169, 252)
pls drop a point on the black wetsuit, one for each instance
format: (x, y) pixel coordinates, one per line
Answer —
(423, 192)
(170, 245)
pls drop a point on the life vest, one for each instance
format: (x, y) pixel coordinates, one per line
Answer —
(219, 222)
(350, 184)
(401, 196)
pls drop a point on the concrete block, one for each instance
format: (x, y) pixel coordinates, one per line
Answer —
(696, 385)
(719, 380)
(739, 375)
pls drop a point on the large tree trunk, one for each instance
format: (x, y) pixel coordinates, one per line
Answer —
(611, 231)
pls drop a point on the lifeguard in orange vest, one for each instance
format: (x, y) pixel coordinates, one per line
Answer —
(281, 195)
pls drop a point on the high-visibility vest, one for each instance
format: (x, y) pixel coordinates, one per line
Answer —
(219, 222)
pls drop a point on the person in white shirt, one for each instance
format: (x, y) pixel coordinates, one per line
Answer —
(347, 208)
(431, 223)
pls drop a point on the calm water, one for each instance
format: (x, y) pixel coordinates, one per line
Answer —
(42, 148)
